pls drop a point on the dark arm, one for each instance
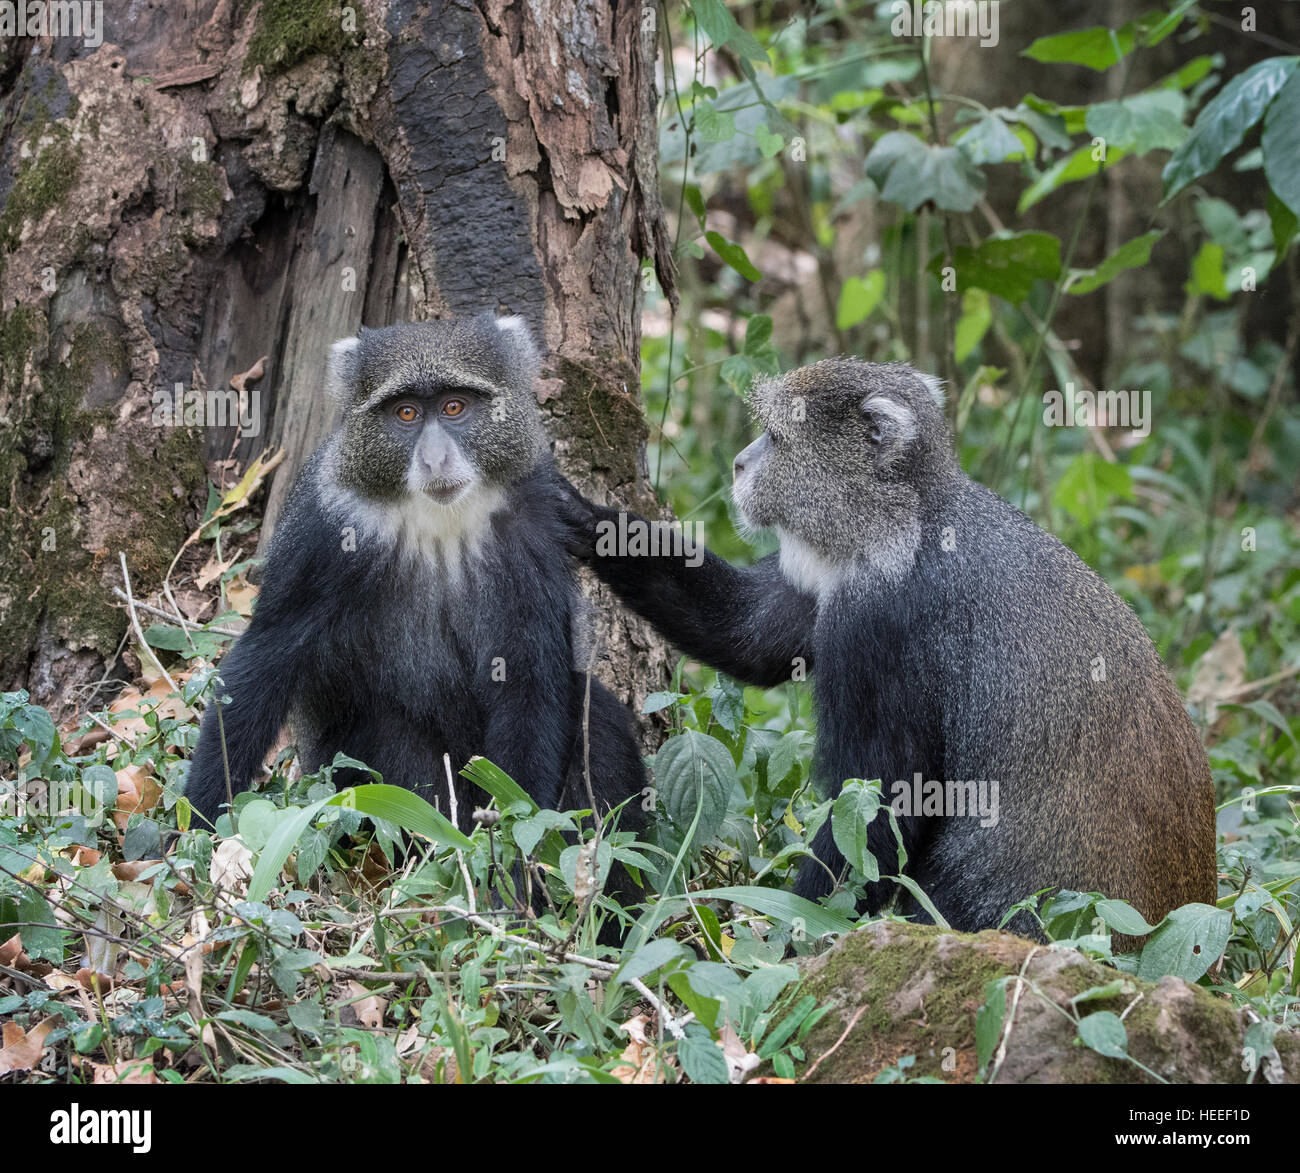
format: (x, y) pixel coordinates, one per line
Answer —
(259, 672)
(525, 682)
(255, 676)
(746, 621)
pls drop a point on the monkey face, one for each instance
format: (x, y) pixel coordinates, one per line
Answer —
(432, 409)
(842, 441)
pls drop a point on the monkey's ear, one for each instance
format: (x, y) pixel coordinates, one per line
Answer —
(517, 341)
(890, 424)
(934, 385)
(342, 369)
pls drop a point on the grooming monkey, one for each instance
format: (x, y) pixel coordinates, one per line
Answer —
(948, 636)
(417, 599)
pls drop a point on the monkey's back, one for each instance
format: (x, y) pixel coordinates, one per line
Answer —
(1056, 691)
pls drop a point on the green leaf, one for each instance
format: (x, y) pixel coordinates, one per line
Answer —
(1280, 143)
(990, 140)
(910, 172)
(396, 804)
(257, 822)
(42, 937)
(713, 125)
(1109, 990)
(989, 1019)
(1096, 47)
(702, 1059)
(1007, 265)
(785, 907)
(1131, 255)
(661, 700)
(854, 812)
(1123, 918)
(858, 297)
(785, 755)
(1284, 223)
(1223, 123)
(1088, 485)
(1187, 943)
(733, 255)
(492, 778)
(694, 770)
(721, 29)
(1207, 274)
(528, 832)
(976, 318)
(1105, 1034)
(922, 899)
(1146, 122)
(652, 956)
(769, 143)
(1080, 164)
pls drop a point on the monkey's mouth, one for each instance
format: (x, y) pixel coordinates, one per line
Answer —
(445, 494)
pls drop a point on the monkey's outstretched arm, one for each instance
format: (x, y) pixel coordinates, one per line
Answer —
(747, 621)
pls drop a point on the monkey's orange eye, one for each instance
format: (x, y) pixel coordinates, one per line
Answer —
(408, 413)
(453, 407)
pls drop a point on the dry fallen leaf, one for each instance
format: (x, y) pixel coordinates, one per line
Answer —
(740, 1060)
(23, 1050)
(1219, 673)
(128, 1071)
(369, 1008)
(641, 1062)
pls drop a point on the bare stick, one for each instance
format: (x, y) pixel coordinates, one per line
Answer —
(135, 623)
(455, 822)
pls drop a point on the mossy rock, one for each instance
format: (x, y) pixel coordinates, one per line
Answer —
(915, 990)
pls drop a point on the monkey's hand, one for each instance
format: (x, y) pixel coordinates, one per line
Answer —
(578, 517)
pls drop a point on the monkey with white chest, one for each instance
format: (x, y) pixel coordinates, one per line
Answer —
(416, 598)
(948, 637)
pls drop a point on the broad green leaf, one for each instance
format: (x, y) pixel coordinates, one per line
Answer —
(1131, 255)
(1280, 143)
(1145, 122)
(858, 297)
(652, 956)
(1222, 124)
(976, 318)
(702, 1059)
(854, 812)
(492, 778)
(712, 125)
(1097, 48)
(1087, 487)
(1105, 1034)
(783, 906)
(721, 29)
(1109, 990)
(1123, 917)
(1187, 943)
(257, 822)
(1207, 274)
(733, 255)
(1284, 223)
(396, 804)
(1080, 164)
(910, 172)
(990, 140)
(694, 770)
(1007, 265)
(769, 143)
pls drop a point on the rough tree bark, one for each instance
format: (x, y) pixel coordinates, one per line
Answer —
(220, 181)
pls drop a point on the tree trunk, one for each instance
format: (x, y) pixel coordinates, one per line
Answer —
(218, 182)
